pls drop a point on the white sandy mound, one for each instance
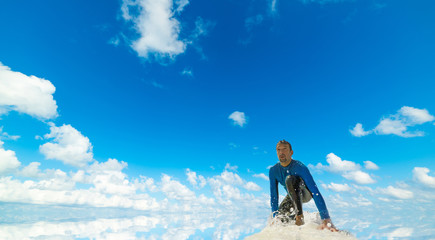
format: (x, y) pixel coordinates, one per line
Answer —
(275, 230)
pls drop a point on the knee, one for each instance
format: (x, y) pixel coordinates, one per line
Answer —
(290, 180)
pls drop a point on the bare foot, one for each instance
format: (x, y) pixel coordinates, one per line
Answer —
(299, 220)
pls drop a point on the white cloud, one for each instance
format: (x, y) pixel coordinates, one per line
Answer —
(26, 94)
(231, 168)
(420, 175)
(107, 177)
(399, 123)
(181, 4)
(35, 192)
(8, 160)
(272, 6)
(238, 118)
(414, 116)
(187, 72)
(115, 41)
(202, 27)
(398, 192)
(400, 233)
(196, 181)
(337, 165)
(68, 145)
(175, 190)
(369, 165)
(362, 201)
(155, 23)
(336, 187)
(359, 177)
(262, 176)
(396, 127)
(32, 170)
(347, 169)
(109, 165)
(251, 186)
(358, 131)
(6, 136)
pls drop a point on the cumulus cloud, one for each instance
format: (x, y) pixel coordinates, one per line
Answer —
(196, 181)
(421, 175)
(231, 178)
(8, 160)
(359, 177)
(107, 177)
(336, 187)
(348, 169)
(397, 192)
(26, 94)
(369, 165)
(156, 25)
(68, 145)
(12, 190)
(238, 118)
(176, 190)
(337, 165)
(399, 123)
(32, 170)
(413, 116)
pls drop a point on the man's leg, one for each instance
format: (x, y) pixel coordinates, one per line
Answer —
(298, 193)
(286, 209)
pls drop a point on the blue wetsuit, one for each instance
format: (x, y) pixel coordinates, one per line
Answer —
(278, 174)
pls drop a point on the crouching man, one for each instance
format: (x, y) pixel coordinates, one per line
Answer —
(300, 186)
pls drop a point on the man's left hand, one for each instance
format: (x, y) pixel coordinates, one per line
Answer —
(327, 224)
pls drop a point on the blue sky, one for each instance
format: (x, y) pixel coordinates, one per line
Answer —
(152, 85)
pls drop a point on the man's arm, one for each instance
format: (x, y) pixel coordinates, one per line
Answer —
(273, 192)
(318, 199)
(311, 185)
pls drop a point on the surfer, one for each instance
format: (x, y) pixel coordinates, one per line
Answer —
(300, 186)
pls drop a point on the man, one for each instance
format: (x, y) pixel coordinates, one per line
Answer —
(300, 186)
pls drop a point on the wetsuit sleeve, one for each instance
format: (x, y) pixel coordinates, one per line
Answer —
(273, 191)
(311, 185)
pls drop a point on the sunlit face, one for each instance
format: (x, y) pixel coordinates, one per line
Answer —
(284, 154)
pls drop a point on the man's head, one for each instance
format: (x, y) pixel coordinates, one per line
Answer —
(284, 152)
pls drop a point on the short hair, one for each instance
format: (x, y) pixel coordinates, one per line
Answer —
(285, 142)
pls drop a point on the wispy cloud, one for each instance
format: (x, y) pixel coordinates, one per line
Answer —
(187, 72)
(398, 124)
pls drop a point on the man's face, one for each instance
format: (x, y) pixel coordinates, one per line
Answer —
(284, 153)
